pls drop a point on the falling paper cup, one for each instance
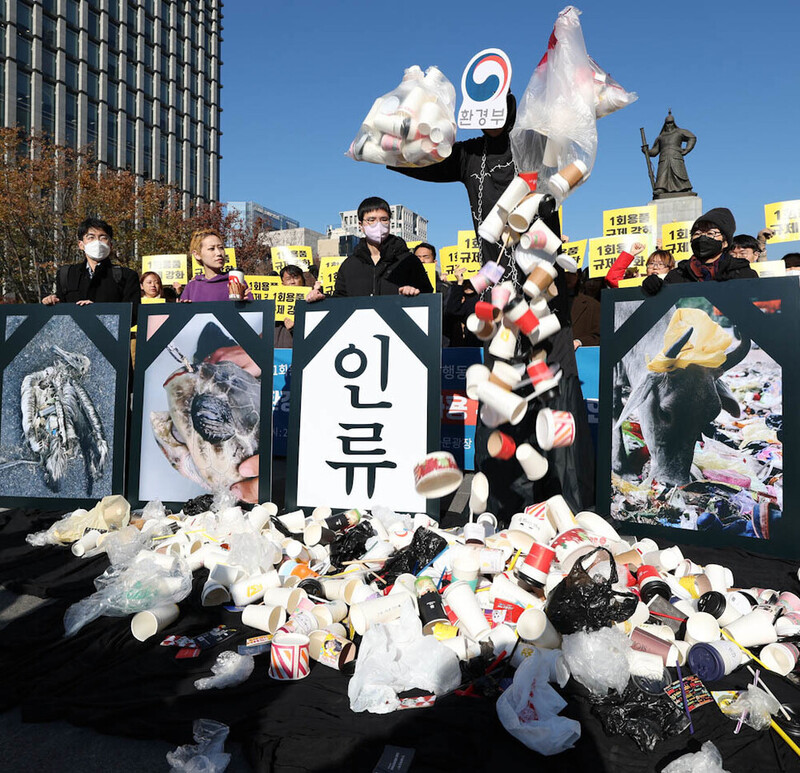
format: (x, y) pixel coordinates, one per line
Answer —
(548, 326)
(500, 445)
(524, 214)
(504, 375)
(438, 474)
(149, 623)
(554, 429)
(289, 657)
(509, 407)
(504, 343)
(516, 191)
(540, 237)
(479, 493)
(491, 229)
(539, 279)
(533, 464)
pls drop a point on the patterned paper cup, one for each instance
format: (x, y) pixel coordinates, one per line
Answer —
(289, 657)
(437, 475)
(331, 650)
(554, 429)
(500, 445)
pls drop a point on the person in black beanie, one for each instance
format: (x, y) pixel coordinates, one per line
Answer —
(485, 166)
(711, 236)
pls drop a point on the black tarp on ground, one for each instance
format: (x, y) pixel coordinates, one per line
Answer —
(105, 679)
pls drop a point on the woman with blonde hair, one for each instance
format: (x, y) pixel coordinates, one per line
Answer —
(208, 249)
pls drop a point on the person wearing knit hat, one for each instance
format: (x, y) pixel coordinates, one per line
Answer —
(711, 236)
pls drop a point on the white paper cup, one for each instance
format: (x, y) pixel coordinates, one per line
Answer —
(379, 610)
(288, 598)
(504, 375)
(339, 588)
(540, 278)
(559, 514)
(86, 543)
(539, 237)
(491, 229)
(251, 589)
(548, 326)
(504, 343)
(596, 524)
(261, 515)
(502, 638)
(719, 577)
(289, 657)
(753, 629)
(526, 528)
(554, 429)
(507, 590)
(362, 592)
(330, 649)
(224, 574)
(701, 628)
(533, 464)
(466, 566)
(666, 560)
(319, 514)
(214, 594)
(524, 214)
(780, 658)
(264, 617)
(516, 191)
(508, 406)
(527, 260)
(479, 493)
(317, 534)
(534, 626)
(295, 521)
(503, 294)
(475, 375)
(149, 623)
(330, 613)
(461, 599)
(480, 328)
(465, 648)
(645, 664)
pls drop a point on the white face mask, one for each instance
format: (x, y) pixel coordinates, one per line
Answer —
(97, 250)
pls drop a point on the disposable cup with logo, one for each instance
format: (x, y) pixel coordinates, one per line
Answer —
(342, 521)
(251, 589)
(536, 566)
(437, 474)
(264, 617)
(331, 650)
(491, 273)
(236, 285)
(430, 604)
(570, 546)
(789, 602)
(289, 657)
(539, 237)
(780, 657)
(525, 529)
(753, 629)
(149, 623)
(461, 599)
(379, 610)
(711, 661)
(504, 343)
(503, 294)
(554, 429)
(644, 641)
(539, 279)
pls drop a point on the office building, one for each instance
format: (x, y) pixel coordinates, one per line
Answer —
(252, 213)
(406, 224)
(138, 80)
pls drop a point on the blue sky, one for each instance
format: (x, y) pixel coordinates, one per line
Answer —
(299, 77)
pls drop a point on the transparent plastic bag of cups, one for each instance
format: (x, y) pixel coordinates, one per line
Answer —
(412, 125)
(555, 133)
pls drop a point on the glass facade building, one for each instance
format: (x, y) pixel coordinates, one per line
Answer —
(138, 80)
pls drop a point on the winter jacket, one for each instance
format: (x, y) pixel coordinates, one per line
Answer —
(728, 268)
(397, 267)
(109, 284)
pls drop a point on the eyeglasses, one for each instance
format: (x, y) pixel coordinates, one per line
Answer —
(714, 233)
(657, 265)
(101, 238)
(373, 220)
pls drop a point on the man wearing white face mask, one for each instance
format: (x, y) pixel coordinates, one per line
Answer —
(96, 279)
(381, 263)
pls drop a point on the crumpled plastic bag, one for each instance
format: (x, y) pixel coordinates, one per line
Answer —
(206, 756)
(395, 657)
(230, 669)
(757, 706)
(581, 601)
(706, 347)
(707, 760)
(412, 125)
(148, 582)
(425, 546)
(598, 659)
(352, 544)
(110, 513)
(556, 122)
(529, 708)
(645, 717)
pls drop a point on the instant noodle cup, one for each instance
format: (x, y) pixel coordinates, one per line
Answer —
(437, 475)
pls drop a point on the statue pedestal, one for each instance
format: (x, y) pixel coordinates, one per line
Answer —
(677, 208)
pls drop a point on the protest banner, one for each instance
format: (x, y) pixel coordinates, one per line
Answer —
(328, 271)
(366, 402)
(171, 268)
(675, 239)
(576, 250)
(604, 250)
(783, 217)
(629, 220)
(300, 256)
(285, 297)
(261, 284)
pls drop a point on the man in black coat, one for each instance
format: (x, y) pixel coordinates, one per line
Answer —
(381, 263)
(485, 166)
(96, 279)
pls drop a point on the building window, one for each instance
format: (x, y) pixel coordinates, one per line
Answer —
(148, 152)
(111, 139)
(94, 25)
(130, 143)
(72, 43)
(24, 17)
(163, 161)
(24, 100)
(130, 102)
(93, 86)
(93, 55)
(131, 74)
(72, 119)
(113, 35)
(113, 66)
(23, 50)
(73, 12)
(49, 32)
(111, 95)
(71, 75)
(91, 122)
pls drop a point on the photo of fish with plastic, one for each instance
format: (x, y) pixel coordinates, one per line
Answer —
(201, 416)
(57, 414)
(697, 425)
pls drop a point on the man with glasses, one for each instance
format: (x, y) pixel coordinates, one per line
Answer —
(95, 279)
(711, 236)
(381, 263)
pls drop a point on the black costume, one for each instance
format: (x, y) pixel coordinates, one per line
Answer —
(397, 267)
(485, 166)
(109, 284)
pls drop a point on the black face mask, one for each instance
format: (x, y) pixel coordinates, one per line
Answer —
(704, 247)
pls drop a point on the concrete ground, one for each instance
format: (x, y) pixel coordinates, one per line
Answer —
(58, 747)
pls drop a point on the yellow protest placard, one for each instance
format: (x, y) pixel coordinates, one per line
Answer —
(230, 263)
(783, 217)
(171, 268)
(675, 239)
(285, 297)
(466, 254)
(260, 285)
(413, 245)
(634, 281)
(145, 299)
(629, 220)
(430, 269)
(298, 255)
(576, 250)
(328, 271)
(770, 268)
(604, 250)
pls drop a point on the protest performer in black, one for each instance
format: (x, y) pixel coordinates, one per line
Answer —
(381, 263)
(485, 166)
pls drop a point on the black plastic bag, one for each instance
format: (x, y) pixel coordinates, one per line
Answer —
(352, 544)
(424, 547)
(580, 602)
